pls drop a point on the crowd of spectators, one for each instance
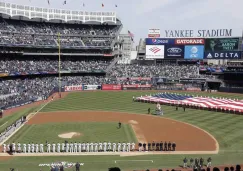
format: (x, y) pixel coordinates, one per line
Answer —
(45, 34)
(163, 70)
(33, 65)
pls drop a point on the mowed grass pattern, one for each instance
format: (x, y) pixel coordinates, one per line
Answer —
(91, 132)
(226, 128)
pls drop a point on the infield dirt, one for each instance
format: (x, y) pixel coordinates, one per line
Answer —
(147, 128)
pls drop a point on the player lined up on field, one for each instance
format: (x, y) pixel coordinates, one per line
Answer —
(69, 147)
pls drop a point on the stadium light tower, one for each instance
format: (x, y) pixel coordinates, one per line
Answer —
(59, 65)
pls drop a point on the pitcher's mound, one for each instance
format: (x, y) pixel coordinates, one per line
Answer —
(70, 135)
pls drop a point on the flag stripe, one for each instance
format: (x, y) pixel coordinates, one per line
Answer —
(206, 102)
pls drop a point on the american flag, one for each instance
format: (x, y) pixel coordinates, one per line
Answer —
(154, 49)
(198, 101)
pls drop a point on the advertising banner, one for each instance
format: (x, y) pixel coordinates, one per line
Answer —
(194, 52)
(223, 55)
(111, 87)
(137, 86)
(73, 88)
(155, 52)
(174, 51)
(222, 44)
(135, 78)
(3, 74)
(189, 41)
(155, 33)
(159, 41)
(92, 87)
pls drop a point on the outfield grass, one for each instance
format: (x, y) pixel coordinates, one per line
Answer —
(10, 119)
(91, 132)
(226, 128)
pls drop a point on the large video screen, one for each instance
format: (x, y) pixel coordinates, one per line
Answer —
(222, 44)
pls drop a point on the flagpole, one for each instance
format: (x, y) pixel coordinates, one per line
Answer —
(59, 65)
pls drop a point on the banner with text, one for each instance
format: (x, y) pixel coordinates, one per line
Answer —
(174, 51)
(222, 44)
(189, 41)
(92, 87)
(159, 41)
(135, 78)
(111, 87)
(155, 52)
(73, 88)
(154, 33)
(194, 52)
(223, 55)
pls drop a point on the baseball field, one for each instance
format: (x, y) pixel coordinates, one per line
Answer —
(93, 117)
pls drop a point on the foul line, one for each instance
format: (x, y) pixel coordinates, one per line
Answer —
(28, 118)
(3, 124)
(133, 161)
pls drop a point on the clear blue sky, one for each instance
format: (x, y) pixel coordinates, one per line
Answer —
(140, 15)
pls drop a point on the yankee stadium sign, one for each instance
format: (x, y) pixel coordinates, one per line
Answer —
(198, 33)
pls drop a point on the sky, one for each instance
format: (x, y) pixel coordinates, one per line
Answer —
(139, 16)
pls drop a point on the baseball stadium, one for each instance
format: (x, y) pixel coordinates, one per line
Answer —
(80, 92)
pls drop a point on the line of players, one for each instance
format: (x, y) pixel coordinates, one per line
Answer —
(69, 147)
(156, 146)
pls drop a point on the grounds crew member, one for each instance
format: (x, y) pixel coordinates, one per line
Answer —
(191, 162)
(185, 163)
(148, 110)
(209, 162)
(169, 146)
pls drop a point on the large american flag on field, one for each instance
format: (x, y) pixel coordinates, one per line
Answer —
(199, 101)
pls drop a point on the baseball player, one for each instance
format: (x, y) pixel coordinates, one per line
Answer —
(123, 147)
(13, 145)
(32, 147)
(83, 146)
(79, 147)
(19, 147)
(87, 147)
(133, 146)
(24, 148)
(100, 146)
(48, 148)
(114, 147)
(8, 147)
(119, 147)
(29, 148)
(37, 148)
(63, 147)
(109, 146)
(41, 148)
(105, 144)
(58, 147)
(91, 147)
(128, 146)
(96, 147)
(53, 147)
(71, 147)
(67, 147)
(4, 148)
(75, 147)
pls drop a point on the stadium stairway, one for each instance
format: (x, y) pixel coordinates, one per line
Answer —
(114, 61)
